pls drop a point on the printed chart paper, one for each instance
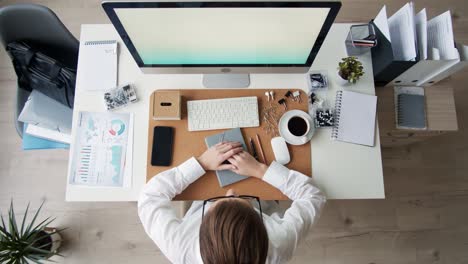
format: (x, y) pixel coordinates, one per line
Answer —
(101, 147)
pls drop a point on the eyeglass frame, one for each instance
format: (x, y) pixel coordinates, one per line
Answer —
(233, 196)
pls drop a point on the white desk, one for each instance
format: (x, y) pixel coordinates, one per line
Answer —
(342, 170)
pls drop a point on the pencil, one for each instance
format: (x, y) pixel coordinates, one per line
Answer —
(261, 149)
(254, 152)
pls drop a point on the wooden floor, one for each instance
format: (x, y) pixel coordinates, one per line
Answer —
(423, 220)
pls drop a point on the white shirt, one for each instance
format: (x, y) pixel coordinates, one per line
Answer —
(178, 239)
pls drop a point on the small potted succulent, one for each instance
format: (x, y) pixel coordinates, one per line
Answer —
(27, 243)
(349, 70)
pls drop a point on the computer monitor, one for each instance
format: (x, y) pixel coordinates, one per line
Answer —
(223, 40)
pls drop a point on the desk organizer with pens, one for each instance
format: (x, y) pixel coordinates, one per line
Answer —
(360, 39)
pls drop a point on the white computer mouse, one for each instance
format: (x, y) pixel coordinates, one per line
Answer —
(280, 149)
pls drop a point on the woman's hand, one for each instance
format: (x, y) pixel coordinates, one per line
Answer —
(213, 157)
(247, 165)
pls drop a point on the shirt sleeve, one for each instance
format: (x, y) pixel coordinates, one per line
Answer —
(307, 203)
(154, 206)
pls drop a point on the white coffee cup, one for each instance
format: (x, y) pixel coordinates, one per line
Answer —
(298, 126)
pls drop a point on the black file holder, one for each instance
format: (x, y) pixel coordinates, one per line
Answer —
(384, 65)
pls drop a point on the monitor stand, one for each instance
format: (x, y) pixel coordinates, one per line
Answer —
(229, 80)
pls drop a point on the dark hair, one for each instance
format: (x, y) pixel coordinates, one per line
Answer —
(233, 232)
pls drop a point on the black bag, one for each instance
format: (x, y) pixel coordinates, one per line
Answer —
(37, 71)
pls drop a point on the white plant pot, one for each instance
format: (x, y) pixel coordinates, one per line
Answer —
(56, 238)
(340, 80)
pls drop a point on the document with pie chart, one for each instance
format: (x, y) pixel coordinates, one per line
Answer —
(102, 153)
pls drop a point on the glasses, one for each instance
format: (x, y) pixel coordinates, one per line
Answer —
(244, 197)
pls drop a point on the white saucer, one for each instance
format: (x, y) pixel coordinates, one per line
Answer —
(284, 131)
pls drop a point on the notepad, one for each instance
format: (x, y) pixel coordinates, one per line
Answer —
(226, 177)
(98, 61)
(410, 107)
(355, 118)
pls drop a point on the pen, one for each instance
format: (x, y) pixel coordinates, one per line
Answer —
(254, 152)
(261, 149)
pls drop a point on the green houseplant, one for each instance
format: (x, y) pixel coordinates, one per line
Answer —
(350, 69)
(27, 243)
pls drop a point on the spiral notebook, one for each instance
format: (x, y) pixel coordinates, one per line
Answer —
(355, 118)
(99, 65)
(410, 108)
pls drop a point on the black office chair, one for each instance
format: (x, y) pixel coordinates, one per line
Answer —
(38, 26)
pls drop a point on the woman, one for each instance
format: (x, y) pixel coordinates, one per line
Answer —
(228, 229)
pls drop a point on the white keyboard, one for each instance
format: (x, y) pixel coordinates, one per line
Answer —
(222, 113)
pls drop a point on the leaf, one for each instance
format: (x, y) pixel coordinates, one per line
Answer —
(12, 222)
(40, 251)
(34, 218)
(3, 222)
(45, 245)
(34, 260)
(53, 261)
(5, 234)
(43, 224)
(37, 257)
(24, 219)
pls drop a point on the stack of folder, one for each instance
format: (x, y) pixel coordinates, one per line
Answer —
(413, 50)
(47, 123)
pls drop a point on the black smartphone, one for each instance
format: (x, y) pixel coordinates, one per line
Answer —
(161, 154)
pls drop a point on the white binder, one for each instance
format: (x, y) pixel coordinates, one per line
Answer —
(440, 57)
(450, 69)
(430, 71)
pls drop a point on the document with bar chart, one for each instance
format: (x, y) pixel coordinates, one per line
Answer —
(102, 150)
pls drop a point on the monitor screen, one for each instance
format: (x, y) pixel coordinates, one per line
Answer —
(276, 34)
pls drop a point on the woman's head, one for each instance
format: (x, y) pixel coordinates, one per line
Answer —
(233, 232)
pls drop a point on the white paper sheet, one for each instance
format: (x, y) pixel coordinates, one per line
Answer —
(381, 22)
(103, 150)
(49, 134)
(402, 33)
(421, 32)
(440, 36)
